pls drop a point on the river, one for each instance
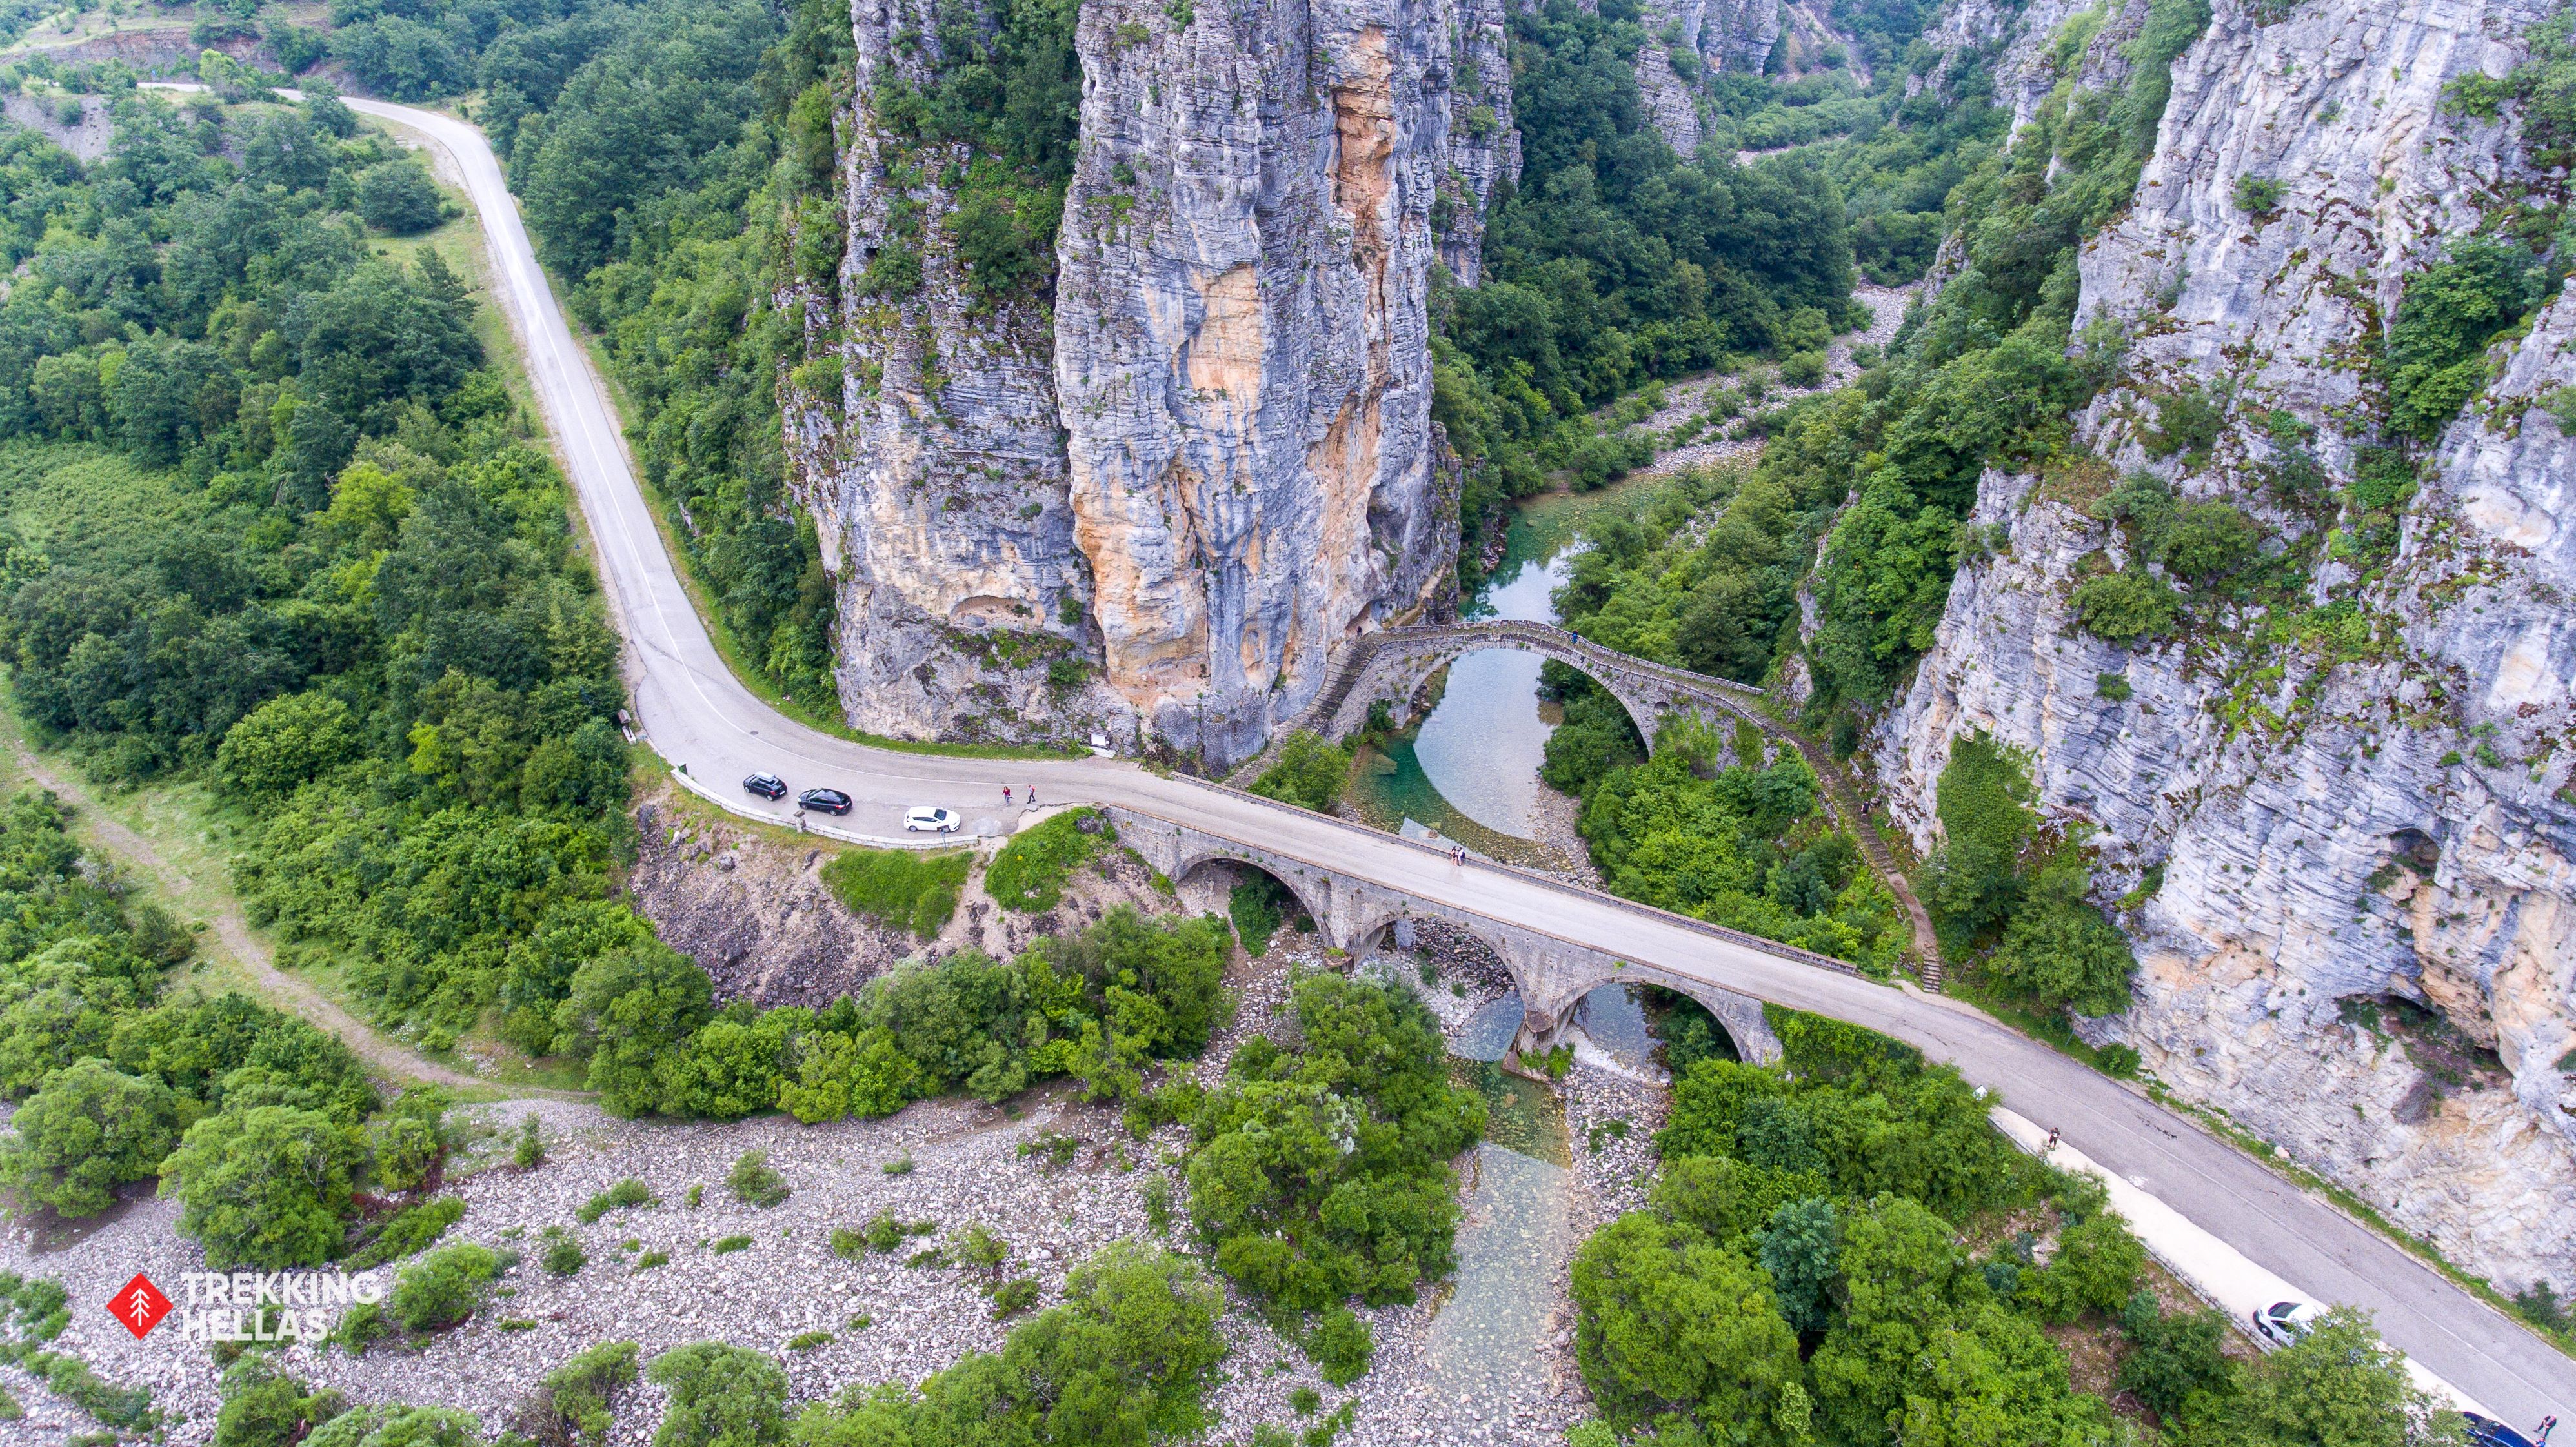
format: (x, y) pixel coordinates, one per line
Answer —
(1470, 769)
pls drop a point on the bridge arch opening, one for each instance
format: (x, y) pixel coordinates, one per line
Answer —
(1685, 1031)
(1260, 904)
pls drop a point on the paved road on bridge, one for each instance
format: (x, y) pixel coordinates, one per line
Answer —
(699, 715)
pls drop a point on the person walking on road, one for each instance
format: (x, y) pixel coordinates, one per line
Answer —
(1006, 794)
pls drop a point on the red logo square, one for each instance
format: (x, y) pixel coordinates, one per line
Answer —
(140, 1305)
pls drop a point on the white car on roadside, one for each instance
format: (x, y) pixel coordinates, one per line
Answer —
(2284, 1322)
(927, 819)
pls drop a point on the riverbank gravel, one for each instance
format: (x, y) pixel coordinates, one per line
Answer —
(872, 1318)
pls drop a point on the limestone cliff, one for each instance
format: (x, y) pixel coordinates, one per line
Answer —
(1242, 346)
(1149, 491)
(1718, 35)
(938, 482)
(2313, 817)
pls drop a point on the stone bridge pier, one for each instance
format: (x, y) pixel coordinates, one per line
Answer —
(1357, 916)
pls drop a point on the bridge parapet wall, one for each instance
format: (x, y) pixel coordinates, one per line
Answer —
(1403, 657)
(1552, 974)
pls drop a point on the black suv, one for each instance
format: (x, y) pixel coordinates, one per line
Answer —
(767, 786)
(829, 801)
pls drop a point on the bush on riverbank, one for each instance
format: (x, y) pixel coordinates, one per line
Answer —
(1320, 1175)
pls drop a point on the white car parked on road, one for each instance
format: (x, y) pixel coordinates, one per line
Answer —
(2284, 1322)
(923, 818)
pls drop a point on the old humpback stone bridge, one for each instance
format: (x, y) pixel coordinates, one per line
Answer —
(1551, 973)
(1392, 664)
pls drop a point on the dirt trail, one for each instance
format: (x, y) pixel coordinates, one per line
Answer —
(286, 990)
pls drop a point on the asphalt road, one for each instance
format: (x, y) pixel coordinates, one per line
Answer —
(699, 716)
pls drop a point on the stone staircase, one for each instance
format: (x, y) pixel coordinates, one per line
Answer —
(1846, 802)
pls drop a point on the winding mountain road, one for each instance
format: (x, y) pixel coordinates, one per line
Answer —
(703, 719)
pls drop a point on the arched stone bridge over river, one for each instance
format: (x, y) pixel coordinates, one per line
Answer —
(1392, 665)
(1552, 972)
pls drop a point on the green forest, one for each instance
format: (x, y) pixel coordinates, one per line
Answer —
(1840, 1250)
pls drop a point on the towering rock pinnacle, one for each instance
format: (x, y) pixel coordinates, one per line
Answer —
(938, 492)
(1242, 346)
(1154, 490)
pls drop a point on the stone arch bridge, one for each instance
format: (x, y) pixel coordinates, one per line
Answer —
(1392, 663)
(1552, 973)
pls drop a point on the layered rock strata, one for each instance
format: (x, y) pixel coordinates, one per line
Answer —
(2380, 810)
(1145, 497)
(937, 484)
(1242, 347)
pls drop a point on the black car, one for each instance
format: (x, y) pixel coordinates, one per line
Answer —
(829, 801)
(767, 786)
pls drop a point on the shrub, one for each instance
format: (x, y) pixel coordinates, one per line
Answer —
(263, 1187)
(625, 1195)
(571, 1407)
(263, 1407)
(2209, 540)
(2095, 1269)
(404, 1149)
(1309, 774)
(1341, 1346)
(284, 743)
(1255, 906)
(562, 1254)
(1015, 1296)
(2259, 196)
(2059, 951)
(729, 1245)
(1125, 1361)
(87, 1131)
(410, 1231)
(720, 1396)
(529, 1151)
(900, 887)
(394, 1425)
(399, 197)
(2124, 607)
(1029, 872)
(2435, 359)
(2174, 1359)
(807, 1341)
(754, 1182)
(633, 1010)
(1803, 369)
(2113, 686)
(443, 1288)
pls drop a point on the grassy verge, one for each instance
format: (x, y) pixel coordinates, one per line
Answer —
(729, 648)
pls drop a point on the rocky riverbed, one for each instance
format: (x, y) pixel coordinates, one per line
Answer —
(1486, 1358)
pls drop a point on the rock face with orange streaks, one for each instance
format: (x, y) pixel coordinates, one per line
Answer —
(1242, 343)
(1147, 494)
